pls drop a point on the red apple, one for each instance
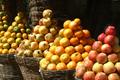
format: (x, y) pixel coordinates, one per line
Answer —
(110, 30)
(101, 58)
(117, 66)
(89, 75)
(88, 64)
(106, 48)
(101, 76)
(109, 39)
(101, 37)
(97, 67)
(113, 76)
(109, 68)
(97, 46)
(113, 57)
(92, 55)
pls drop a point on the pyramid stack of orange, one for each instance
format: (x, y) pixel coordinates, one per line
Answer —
(69, 48)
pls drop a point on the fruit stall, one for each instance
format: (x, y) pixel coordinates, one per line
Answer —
(40, 42)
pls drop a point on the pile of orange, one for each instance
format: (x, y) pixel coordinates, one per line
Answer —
(69, 48)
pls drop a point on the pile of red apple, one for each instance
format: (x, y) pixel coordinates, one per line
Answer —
(103, 61)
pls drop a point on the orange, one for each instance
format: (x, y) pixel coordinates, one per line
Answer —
(48, 56)
(61, 66)
(86, 33)
(64, 42)
(71, 65)
(87, 48)
(54, 59)
(74, 41)
(65, 58)
(59, 50)
(68, 33)
(84, 55)
(79, 48)
(78, 34)
(76, 57)
(51, 66)
(66, 23)
(69, 50)
(73, 25)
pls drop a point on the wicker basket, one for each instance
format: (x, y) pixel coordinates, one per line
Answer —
(35, 8)
(29, 67)
(9, 70)
(58, 75)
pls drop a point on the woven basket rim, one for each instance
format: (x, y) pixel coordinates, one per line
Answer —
(56, 70)
(27, 57)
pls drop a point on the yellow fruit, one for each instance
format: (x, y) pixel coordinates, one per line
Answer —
(18, 35)
(1, 50)
(71, 65)
(6, 45)
(1, 45)
(10, 28)
(79, 63)
(2, 33)
(14, 45)
(5, 51)
(11, 51)
(84, 55)
(48, 56)
(77, 20)
(55, 59)
(34, 45)
(64, 42)
(66, 23)
(52, 49)
(24, 36)
(51, 66)
(43, 63)
(22, 30)
(14, 24)
(10, 40)
(20, 25)
(36, 29)
(65, 58)
(7, 34)
(43, 45)
(61, 32)
(4, 40)
(43, 30)
(13, 35)
(70, 50)
(68, 33)
(61, 66)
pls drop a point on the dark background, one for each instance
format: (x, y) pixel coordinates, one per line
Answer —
(94, 14)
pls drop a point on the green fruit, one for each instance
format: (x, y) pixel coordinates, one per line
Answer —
(16, 29)
(28, 30)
